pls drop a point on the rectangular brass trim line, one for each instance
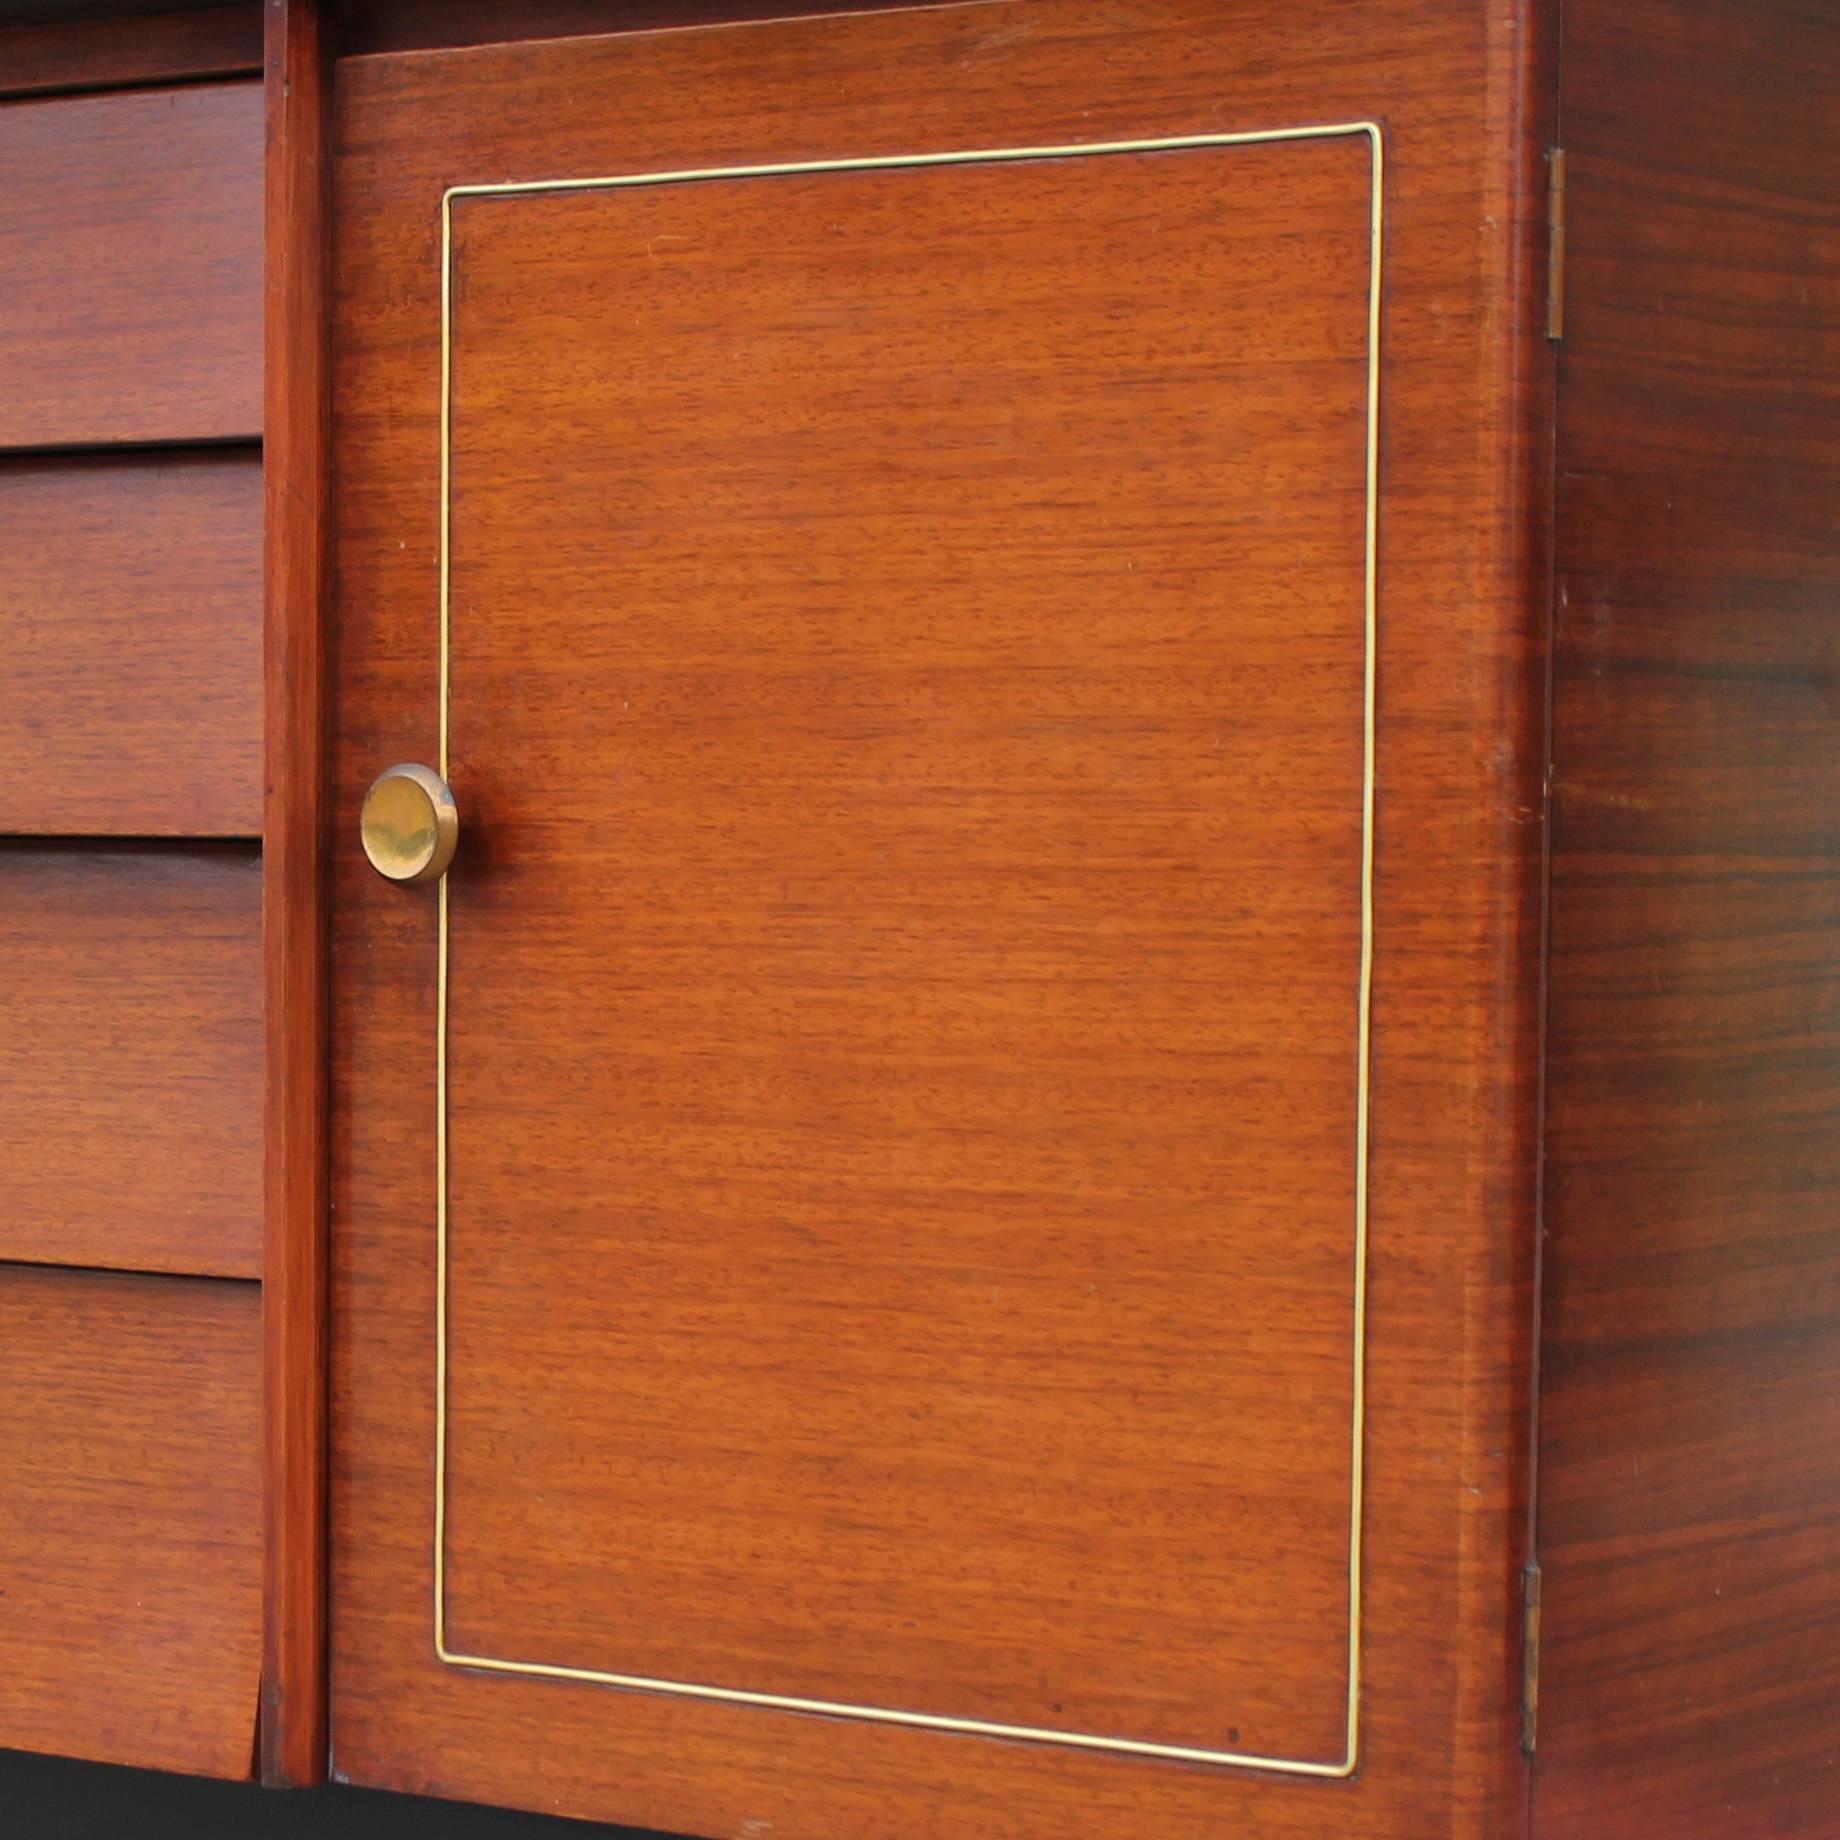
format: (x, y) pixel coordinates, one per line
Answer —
(1335, 1768)
(1555, 244)
(1530, 1658)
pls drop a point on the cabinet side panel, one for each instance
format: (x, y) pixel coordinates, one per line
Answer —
(1690, 1476)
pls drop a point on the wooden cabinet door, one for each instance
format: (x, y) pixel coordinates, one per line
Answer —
(925, 1222)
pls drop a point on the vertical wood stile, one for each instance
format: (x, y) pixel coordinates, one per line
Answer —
(294, 948)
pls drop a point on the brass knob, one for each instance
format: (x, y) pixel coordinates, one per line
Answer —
(409, 824)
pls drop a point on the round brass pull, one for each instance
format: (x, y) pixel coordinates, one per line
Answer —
(409, 824)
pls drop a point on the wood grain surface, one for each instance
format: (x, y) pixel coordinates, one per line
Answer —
(918, 911)
(852, 823)
(130, 1581)
(296, 536)
(130, 623)
(90, 54)
(1690, 1462)
(130, 1006)
(131, 241)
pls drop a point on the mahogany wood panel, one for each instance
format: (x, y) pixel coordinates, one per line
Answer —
(972, 780)
(131, 241)
(1456, 91)
(1690, 1468)
(130, 623)
(130, 1581)
(294, 945)
(130, 1009)
(213, 41)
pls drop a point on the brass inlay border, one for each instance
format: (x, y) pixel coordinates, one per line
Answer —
(1339, 1767)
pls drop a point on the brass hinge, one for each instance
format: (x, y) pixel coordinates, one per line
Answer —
(1555, 243)
(1530, 1657)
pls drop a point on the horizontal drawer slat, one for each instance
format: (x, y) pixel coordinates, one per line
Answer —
(130, 1570)
(110, 53)
(131, 634)
(131, 243)
(130, 1058)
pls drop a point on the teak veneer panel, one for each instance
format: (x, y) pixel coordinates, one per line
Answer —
(1456, 891)
(131, 628)
(931, 976)
(131, 242)
(130, 1086)
(130, 1578)
(1690, 1415)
